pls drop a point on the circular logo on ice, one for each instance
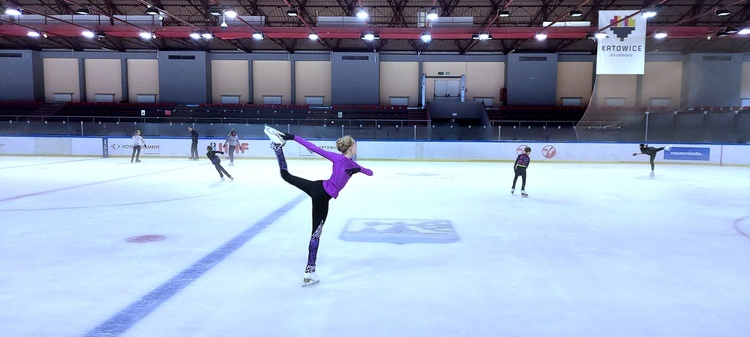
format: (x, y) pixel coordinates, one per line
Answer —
(520, 149)
(549, 151)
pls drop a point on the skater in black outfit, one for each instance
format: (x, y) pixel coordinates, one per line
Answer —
(194, 144)
(651, 152)
(522, 162)
(211, 154)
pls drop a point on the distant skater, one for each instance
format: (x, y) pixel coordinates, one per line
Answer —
(137, 141)
(522, 162)
(194, 143)
(232, 141)
(320, 191)
(651, 152)
(211, 154)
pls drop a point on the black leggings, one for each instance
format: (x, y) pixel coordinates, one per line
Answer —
(520, 171)
(320, 199)
(651, 152)
(221, 169)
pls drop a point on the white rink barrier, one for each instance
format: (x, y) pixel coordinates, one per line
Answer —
(385, 150)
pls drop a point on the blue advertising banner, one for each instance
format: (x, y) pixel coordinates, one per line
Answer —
(688, 153)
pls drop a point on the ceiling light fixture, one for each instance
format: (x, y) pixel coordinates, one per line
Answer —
(88, 34)
(195, 35)
(216, 10)
(432, 14)
(660, 35)
(649, 12)
(541, 36)
(230, 13)
(258, 35)
(207, 35)
(13, 11)
(731, 30)
(576, 13)
(292, 12)
(504, 14)
(146, 35)
(33, 33)
(426, 37)
(362, 14)
(482, 36)
(369, 36)
(744, 31)
(313, 36)
(722, 12)
(83, 11)
(151, 10)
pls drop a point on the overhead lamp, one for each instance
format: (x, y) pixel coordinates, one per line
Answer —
(100, 34)
(146, 35)
(216, 10)
(207, 35)
(426, 37)
(660, 35)
(432, 14)
(13, 11)
(650, 12)
(362, 14)
(744, 31)
(731, 30)
(722, 12)
(504, 14)
(313, 36)
(33, 33)
(151, 10)
(87, 33)
(292, 12)
(576, 13)
(83, 11)
(195, 35)
(258, 35)
(721, 33)
(600, 35)
(482, 36)
(541, 36)
(369, 36)
(230, 13)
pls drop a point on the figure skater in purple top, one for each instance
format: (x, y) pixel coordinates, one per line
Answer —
(522, 162)
(320, 191)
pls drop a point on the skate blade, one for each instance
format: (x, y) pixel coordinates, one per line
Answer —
(309, 284)
(273, 136)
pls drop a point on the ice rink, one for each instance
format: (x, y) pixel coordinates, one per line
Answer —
(102, 247)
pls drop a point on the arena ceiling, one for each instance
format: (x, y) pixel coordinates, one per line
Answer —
(691, 25)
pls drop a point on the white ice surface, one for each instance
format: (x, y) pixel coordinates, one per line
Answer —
(596, 250)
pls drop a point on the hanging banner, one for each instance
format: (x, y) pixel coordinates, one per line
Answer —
(623, 51)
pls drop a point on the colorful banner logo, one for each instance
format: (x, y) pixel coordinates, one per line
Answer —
(688, 153)
(623, 51)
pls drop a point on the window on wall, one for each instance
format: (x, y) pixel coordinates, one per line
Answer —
(660, 101)
(314, 100)
(615, 101)
(271, 99)
(63, 97)
(105, 98)
(146, 98)
(230, 99)
(400, 101)
(571, 101)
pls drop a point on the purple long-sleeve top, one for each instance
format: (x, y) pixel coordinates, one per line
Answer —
(341, 163)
